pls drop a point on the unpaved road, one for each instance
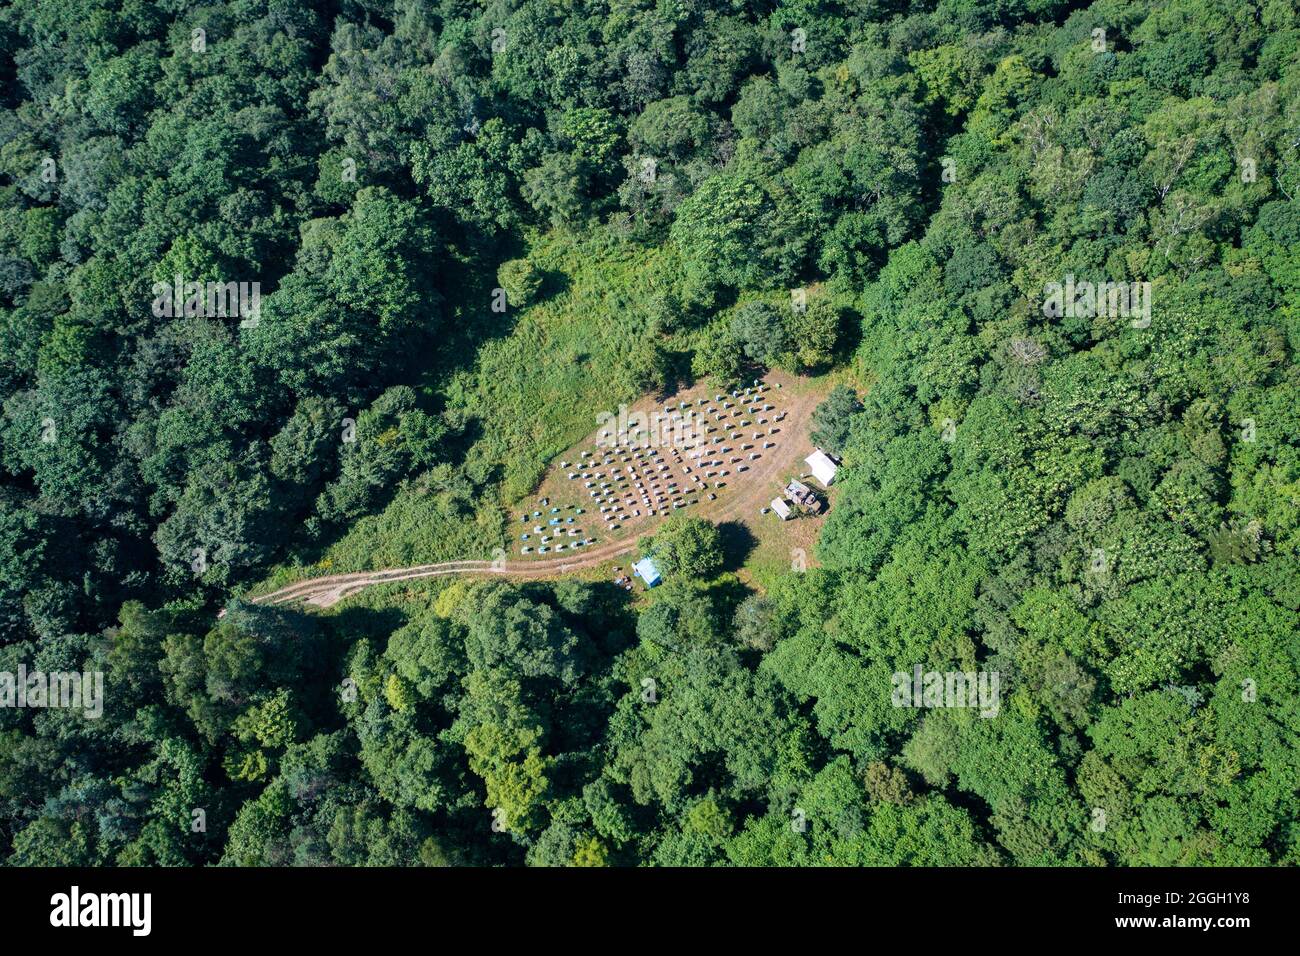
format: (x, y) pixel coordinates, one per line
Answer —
(750, 495)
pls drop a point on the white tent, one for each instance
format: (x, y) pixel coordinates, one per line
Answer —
(781, 508)
(823, 468)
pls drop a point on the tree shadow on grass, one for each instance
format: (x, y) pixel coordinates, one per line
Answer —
(849, 336)
(354, 622)
(737, 544)
(554, 283)
(675, 374)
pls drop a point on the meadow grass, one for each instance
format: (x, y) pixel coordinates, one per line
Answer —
(538, 378)
(529, 394)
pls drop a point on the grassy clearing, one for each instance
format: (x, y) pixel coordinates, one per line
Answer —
(579, 351)
(530, 394)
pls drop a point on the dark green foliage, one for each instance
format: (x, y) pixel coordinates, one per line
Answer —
(833, 419)
(685, 547)
(1100, 511)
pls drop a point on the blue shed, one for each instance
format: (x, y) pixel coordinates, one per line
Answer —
(645, 569)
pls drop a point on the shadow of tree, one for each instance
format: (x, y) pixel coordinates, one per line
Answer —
(737, 544)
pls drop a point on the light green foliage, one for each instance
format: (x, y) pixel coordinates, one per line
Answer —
(521, 280)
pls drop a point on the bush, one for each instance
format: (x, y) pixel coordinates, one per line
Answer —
(761, 332)
(686, 547)
(522, 281)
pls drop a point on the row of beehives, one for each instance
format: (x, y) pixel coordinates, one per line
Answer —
(632, 482)
(556, 534)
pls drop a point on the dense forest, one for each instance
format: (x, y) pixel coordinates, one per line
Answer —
(1101, 508)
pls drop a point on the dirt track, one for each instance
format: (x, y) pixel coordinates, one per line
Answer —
(750, 495)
